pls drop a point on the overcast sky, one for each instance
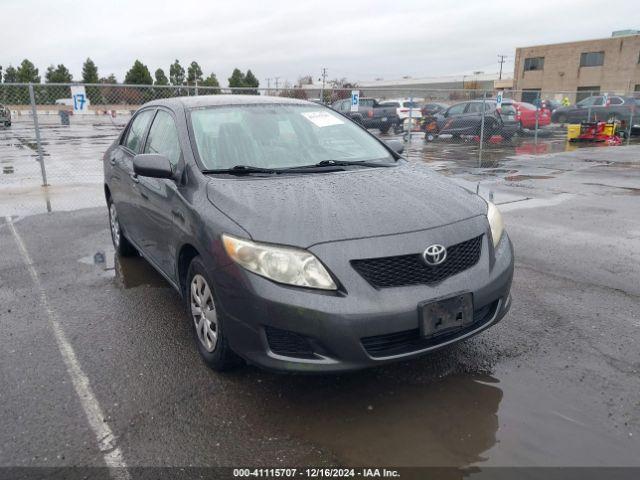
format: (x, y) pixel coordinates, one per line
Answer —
(360, 40)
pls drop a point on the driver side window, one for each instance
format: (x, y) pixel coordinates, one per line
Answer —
(137, 129)
(163, 138)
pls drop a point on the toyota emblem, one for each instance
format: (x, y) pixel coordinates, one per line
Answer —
(434, 255)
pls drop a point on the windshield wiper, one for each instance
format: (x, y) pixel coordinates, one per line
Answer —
(242, 170)
(346, 163)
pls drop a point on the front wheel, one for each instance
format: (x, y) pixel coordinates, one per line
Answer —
(122, 246)
(207, 323)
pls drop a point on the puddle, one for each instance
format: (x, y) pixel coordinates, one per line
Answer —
(519, 178)
(459, 421)
(131, 272)
(625, 190)
(449, 422)
(128, 272)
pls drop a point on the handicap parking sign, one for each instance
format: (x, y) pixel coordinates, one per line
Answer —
(355, 100)
(499, 100)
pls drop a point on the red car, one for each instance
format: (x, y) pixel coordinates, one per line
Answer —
(526, 115)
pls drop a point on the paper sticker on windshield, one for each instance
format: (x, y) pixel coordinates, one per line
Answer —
(322, 119)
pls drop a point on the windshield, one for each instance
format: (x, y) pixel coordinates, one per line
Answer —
(279, 136)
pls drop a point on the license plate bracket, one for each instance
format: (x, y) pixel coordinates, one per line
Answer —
(446, 315)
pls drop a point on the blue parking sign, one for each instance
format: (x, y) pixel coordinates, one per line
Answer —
(355, 100)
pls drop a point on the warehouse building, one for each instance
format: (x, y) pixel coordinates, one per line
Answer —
(579, 69)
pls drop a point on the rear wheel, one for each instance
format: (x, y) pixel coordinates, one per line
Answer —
(384, 128)
(122, 246)
(206, 321)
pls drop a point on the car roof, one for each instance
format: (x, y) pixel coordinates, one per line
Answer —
(201, 101)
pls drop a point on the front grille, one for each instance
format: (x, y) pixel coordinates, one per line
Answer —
(404, 270)
(408, 341)
(289, 344)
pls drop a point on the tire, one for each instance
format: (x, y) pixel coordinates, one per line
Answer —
(489, 131)
(7, 124)
(208, 328)
(122, 246)
(385, 128)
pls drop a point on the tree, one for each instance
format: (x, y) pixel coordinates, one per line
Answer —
(138, 74)
(27, 72)
(194, 73)
(111, 79)
(89, 72)
(236, 80)
(251, 81)
(211, 81)
(59, 74)
(10, 75)
(161, 78)
(176, 73)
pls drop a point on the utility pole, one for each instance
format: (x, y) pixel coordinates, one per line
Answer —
(276, 79)
(268, 86)
(324, 77)
(501, 57)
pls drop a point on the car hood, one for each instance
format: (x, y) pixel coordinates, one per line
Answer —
(303, 210)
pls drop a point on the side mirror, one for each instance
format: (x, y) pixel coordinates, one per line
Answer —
(396, 145)
(152, 165)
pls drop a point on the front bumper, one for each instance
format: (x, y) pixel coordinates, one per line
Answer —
(359, 328)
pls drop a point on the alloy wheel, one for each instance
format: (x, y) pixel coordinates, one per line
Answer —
(203, 311)
(115, 226)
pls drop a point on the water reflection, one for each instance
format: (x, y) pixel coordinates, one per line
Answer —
(449, 422)
(133, 272)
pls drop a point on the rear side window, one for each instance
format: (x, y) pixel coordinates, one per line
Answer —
(137, 129)
(508, 109)
(615, 101)
(163, 138)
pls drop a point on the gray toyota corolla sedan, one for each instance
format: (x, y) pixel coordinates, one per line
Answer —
(298, 240)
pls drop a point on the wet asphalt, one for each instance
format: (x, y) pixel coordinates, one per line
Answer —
(556, 383)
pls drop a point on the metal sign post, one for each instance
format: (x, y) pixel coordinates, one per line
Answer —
(36, 126)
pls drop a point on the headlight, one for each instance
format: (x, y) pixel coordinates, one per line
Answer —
(282, 264)
(495, 222)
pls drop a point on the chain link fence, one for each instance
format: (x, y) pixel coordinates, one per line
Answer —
(48, 139)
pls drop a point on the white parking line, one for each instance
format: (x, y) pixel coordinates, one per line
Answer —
(95, 416)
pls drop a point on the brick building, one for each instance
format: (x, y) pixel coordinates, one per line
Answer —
(606, 65)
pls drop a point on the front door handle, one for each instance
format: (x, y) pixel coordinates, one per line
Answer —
(178, 214)
(112, 161)
(134, 177)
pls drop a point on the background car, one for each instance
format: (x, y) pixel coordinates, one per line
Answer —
(465, 118)
(405, 108)
(370, 114)
(550, 104)
(431, 109)
(526, 114)
(5, 116)
(617, 108)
